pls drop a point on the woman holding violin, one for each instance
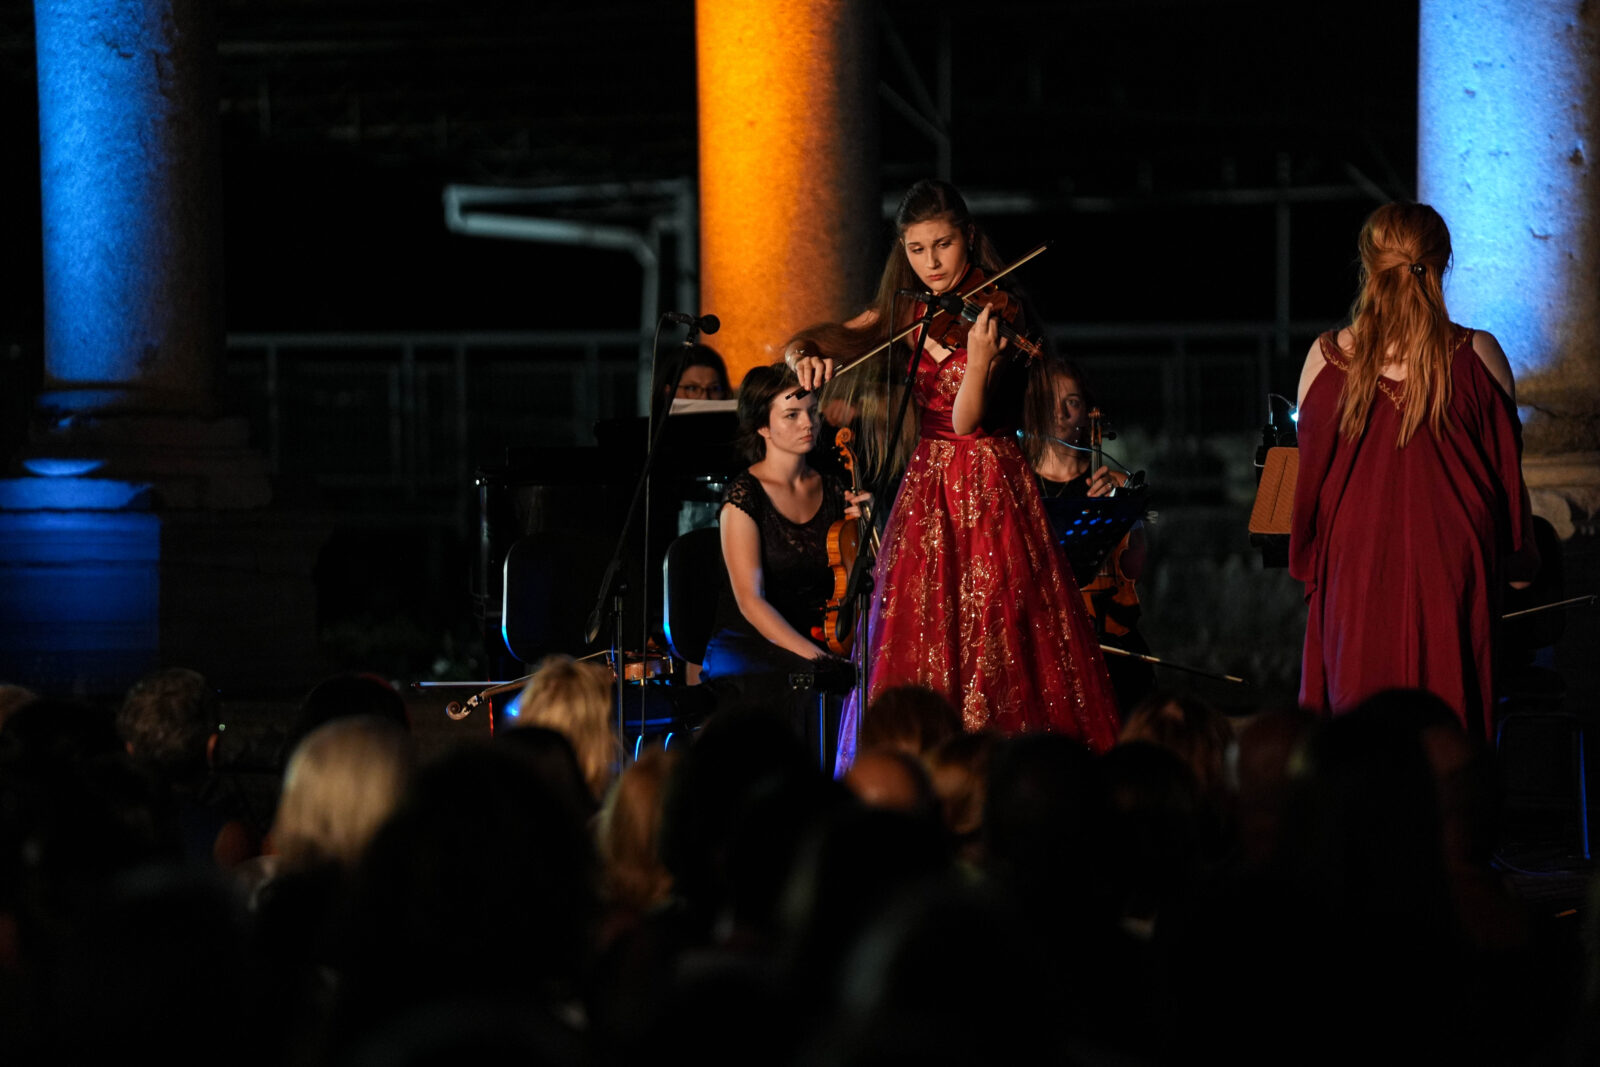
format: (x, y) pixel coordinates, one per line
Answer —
(775, 522)
(971, 597)
(1061, 438)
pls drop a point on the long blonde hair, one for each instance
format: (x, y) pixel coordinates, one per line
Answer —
(573, 697)
(1405, 250)
(343, 780)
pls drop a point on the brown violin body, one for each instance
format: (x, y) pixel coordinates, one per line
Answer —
(838, 630)
(1110, 596)
(978, 293)
(640, 667)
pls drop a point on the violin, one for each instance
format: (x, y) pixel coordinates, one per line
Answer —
(1110, 596)
(953, 321)
(958, 319)
(838, 630)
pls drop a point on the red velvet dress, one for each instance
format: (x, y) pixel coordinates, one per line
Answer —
(1400, 548)
(972, 598)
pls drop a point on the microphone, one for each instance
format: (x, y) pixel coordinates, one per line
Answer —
(946, 301)
(1269, 440)
(704, 323)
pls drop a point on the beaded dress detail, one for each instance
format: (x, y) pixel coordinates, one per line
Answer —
(973, 598)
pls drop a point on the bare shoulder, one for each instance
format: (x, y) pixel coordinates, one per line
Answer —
(1494, 361)
(1308, 373)
(736, 524)
(863, 320)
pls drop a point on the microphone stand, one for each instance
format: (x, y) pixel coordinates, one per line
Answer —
(929, 309)
(860, 578)
(858, 590)
(612, 587)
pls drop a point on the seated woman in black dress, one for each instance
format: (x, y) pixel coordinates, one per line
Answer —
(775, 519)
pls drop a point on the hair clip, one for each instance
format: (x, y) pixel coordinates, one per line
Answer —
(1418, 269)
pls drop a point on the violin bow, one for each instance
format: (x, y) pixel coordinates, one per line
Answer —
(990, 280)
(1586, 599)
(1115, 651)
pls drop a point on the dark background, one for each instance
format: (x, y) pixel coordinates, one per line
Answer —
(1151, 134)
(342, 122)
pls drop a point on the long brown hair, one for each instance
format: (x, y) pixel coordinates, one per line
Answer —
(1405, 250)
(867, 390)
(1040, 408)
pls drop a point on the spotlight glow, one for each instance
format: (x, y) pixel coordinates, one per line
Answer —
(62, 468)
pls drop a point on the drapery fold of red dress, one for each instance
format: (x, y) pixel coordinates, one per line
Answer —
(972, 598)
(1400, 548)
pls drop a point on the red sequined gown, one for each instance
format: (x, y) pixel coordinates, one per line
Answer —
(972, 598)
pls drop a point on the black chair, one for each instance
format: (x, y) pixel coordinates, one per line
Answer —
(693, 579)
(549, 584)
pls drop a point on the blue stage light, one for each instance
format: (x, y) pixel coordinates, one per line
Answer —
(62, 468)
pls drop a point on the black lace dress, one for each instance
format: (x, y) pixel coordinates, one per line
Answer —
(796, 577)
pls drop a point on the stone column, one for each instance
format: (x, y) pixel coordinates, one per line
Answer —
(790, 219)
(113, 552)
(130, 170)
(1508, 125)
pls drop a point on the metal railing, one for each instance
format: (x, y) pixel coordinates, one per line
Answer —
(413, 414)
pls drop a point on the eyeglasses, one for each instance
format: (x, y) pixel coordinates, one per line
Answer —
(690, 391)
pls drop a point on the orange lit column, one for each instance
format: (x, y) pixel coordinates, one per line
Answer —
(789, 216)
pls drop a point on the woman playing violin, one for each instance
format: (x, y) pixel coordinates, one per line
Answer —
(1057, 438)
(972, 598)
(774, 522)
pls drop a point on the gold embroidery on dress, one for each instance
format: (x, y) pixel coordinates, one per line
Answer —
(1395, 391)
(947, 383)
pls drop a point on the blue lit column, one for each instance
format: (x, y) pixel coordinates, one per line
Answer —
(125, 461)
(129, 169)
(1508, 125)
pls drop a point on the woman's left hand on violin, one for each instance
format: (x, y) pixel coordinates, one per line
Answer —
(983, 339)
(854, 500)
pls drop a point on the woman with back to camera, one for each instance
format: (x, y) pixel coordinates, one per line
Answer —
(1409, 508)
(774, 529)
(972, 599)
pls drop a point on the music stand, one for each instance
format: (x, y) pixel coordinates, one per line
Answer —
(1272, 514)
(1091, 526)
